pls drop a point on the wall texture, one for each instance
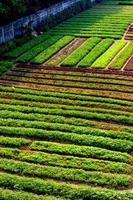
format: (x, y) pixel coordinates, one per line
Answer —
(13, 29)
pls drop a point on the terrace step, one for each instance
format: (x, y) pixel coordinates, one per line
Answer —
(129, 65)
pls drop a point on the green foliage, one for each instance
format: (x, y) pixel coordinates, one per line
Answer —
(81, 151)
(122, 57)
(16, 142)
(88, 140)
(29, 45)
(4, 66)
(7, 194)
(106, 58)
(105, 21)
(68, 191)
(30, 54)
(95, 53)
(39, 96)
(72, 162)
(99, 178)
(49, 52)
(81, 52)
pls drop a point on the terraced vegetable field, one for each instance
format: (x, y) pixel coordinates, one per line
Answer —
(66, 110)
(70, 136)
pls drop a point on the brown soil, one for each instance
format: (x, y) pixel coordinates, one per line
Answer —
(129, 31)
(129, 65)
(57, 58)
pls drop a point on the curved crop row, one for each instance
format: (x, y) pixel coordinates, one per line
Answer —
(65, 161)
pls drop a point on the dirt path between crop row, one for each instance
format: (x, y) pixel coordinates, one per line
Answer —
(106, 94)
(72, 69)
(68, 86)
(63, 53)
(66, 79)
(69, 73)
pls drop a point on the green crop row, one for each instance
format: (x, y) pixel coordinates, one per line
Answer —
(68, 191)
(95, 53)
(79, 53)
(119, 95)
(77, 111)
(88, 140)
(92, 114)
(46, 54)
(4, 66)
(71, 78)
(101, 32)
(48, 118)
(37, 49)
(9, 152)
(52, 102)
(74, 162)
(6, 194)
(72, 73)
(106, 58)
(123, 57)
(62, 83)
(75, 93)
(39, 96)
(14, 43)
(66, 128)
(72, 151)
(44, 96)
(67, 174)
(66, 161)
(81, 151)
(86, 35)
(17, 142)
(25, 47)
